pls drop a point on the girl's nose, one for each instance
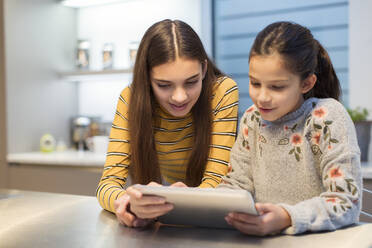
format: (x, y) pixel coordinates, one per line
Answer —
(264, 96)
(179, 95)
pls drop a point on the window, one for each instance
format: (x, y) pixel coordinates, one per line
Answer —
(237, 22)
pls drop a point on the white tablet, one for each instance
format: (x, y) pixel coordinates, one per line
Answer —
(200, 206)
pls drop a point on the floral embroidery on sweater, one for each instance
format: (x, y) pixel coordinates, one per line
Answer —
(338, 183)
(323, 128)
(255, 116)
(338, 204)
(285, 141)
(296, 141)
(320, 129)
(245, 130)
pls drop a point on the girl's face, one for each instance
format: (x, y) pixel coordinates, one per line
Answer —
(274, 90)
(177, 85)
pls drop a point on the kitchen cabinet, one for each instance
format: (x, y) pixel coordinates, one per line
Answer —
(69, 172)
(68, 179)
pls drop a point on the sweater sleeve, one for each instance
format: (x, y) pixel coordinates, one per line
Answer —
(115, 171)
(340, 203)
(240, 176)
(225, 117)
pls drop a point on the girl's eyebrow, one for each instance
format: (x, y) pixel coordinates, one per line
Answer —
(167, 81)
(271, 81)
(250, 76)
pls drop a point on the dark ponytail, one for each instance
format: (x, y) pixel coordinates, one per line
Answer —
(327, 84)
(303, 56)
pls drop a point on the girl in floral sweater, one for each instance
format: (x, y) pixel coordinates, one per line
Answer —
(296, 151)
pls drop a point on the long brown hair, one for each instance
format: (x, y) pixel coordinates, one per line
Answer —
(303, 55)
(158, 47)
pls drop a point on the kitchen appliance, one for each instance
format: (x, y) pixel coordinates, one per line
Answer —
(84, 127)
(80, 131)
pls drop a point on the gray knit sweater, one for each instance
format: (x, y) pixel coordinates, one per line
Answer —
(308, 162)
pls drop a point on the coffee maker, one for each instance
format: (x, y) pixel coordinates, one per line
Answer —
(80, 131)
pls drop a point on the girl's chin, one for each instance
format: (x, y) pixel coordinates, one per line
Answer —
(179, 113)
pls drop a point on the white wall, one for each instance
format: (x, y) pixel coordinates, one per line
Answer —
(39, 41)
(121, 24)
(360, 47)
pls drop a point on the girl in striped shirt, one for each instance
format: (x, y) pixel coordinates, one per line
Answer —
(174, 125)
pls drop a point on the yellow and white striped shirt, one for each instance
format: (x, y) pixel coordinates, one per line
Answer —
(174, 141)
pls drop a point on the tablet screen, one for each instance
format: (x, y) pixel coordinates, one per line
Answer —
(205, 207)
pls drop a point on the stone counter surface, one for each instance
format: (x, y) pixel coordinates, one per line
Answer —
(34, 219)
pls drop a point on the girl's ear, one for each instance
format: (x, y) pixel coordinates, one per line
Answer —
(308, 83)
(205, 67)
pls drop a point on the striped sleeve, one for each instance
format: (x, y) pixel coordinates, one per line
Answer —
(115, 171)
(225, 117)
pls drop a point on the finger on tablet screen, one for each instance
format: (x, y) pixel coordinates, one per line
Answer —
(179, 184)
(154, 184)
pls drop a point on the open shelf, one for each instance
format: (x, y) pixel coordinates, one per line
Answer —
(87, 75)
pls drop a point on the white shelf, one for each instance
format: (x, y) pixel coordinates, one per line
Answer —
(87, 75)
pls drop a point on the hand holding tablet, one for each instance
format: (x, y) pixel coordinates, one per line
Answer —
(199, 206)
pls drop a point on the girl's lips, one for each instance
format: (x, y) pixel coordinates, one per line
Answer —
(179, 107)
(265, 110)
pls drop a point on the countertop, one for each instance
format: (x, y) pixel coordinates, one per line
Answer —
(69, 158)
(91, 159)
(35, 219)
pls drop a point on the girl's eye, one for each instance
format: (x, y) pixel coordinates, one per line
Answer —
(191, 83)
(255, 84)
(277, 87)
(164, 86)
